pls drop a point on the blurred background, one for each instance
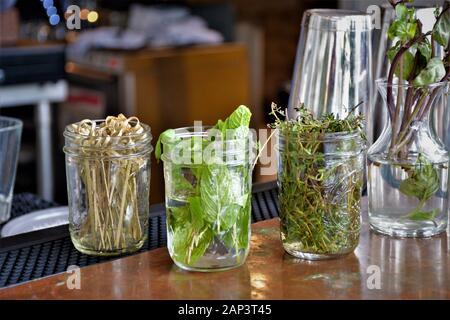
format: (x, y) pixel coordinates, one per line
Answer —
(167, 62)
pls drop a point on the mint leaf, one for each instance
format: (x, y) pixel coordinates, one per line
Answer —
(433, 72)
(196, 211)
(178, 216)
(180, 186)
(214, 191)
(441, 31)
(240, 117)
(244, 225)
(423, 215)
(229, 216)
(168, 136)
(199, 243)
(189, 245)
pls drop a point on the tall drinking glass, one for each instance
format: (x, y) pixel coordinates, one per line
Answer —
(10, 133)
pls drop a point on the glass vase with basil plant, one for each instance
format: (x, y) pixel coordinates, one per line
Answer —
(408, 164)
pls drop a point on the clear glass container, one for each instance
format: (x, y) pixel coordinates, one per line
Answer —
(108, 184)
(320, 183)
(408, 165)
(10, 133)
(208, 200)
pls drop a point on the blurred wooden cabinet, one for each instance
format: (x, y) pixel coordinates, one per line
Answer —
(169, 88)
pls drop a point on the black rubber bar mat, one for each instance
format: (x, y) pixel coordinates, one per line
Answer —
(43, 253)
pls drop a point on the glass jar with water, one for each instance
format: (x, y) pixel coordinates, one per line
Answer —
(408, 165)
(208, 199)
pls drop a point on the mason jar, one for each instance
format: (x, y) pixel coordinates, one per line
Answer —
(320, 184)
(108, 185)
(208, 199)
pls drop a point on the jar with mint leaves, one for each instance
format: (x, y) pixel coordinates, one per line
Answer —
(208, 179)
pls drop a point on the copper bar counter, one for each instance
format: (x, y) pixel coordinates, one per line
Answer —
(380, 268)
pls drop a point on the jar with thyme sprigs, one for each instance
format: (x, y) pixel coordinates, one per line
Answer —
(108, 184)
(320, 178)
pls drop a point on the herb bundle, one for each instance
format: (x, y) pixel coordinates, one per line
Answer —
(108, 181)
(320, 181)
(208, 202)
(415, 65)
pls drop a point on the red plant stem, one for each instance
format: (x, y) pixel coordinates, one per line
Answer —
(395, 62)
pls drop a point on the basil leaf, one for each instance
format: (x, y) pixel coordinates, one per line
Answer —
(402, 30)
(441, 31)
(407, 61)
(402, 12)
(433, 72)
(423, 181)
(424, 48)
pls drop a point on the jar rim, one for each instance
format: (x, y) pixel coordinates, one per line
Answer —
(329, 137)
(382, 82)
(190, 132)
(185, 133)
(13, 124)
(71, 134)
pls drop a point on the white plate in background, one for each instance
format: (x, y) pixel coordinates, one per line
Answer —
(36, 220)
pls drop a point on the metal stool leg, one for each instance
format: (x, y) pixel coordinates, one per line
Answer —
(44, 150)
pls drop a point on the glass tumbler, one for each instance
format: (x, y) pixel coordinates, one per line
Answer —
(10, 134)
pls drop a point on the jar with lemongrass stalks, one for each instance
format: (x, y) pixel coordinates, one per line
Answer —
(108, 183)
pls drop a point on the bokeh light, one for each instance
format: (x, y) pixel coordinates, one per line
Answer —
(47, 3)
(54, 19)
(51, 11)
(92, 16)
(84, 14)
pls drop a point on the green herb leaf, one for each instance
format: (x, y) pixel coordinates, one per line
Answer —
(424, 48)
(240, 117)
(168, 135)
(423, 181)
(433, 72)
(189, 244)
(402, 30)
(196, 210)
(441, 31)
(402, 12)
(423, 215)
